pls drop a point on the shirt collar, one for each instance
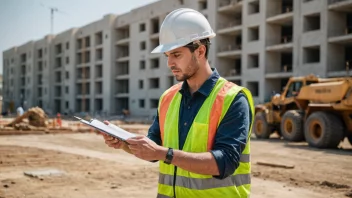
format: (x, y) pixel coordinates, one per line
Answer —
(207, 86)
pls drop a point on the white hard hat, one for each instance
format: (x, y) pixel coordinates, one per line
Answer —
(180, 27)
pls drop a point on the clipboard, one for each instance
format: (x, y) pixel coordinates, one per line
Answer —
(110, 129)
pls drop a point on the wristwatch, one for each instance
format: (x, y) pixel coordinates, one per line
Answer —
(169, 156)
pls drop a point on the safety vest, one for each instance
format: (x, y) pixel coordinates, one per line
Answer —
(180, 183)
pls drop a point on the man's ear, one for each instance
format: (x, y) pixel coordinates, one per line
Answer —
(201, 51)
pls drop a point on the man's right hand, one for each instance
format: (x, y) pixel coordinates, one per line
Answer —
(114, 142)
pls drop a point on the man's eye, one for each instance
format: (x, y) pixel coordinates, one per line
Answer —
(176, 55)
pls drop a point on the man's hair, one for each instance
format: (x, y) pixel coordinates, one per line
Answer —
(194, 45)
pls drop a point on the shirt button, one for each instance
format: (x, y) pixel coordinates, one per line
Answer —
(189, 107)
(185, 123)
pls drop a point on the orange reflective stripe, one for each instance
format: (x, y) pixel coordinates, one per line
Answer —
(215, 113)
(164, 106)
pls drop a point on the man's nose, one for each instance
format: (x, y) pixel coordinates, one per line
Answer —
(170, 62)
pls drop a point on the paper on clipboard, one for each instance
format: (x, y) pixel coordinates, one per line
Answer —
(110, 129)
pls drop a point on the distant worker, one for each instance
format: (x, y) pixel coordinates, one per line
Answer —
(201, 134)
(20, 111)
(58, 119)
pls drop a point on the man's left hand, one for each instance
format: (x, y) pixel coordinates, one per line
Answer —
(144, 148)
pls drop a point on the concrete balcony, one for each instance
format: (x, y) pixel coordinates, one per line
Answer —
(83, 49)
(121, 95)
(281, 19)
(230, 51)
(230, 6)
(341, 70)
(334, 74)
(122, 77)
(81, 96)
(340, 5)
(58, 83)
(154, 36)
(233, 78)
(233, 74)
(285, 45)
(122, 56)
(82, 80)
(343, 37)
(278, 75)
(98, 79)
(230, 28)
(123, 41)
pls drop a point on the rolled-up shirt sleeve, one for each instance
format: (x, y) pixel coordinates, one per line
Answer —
(154, 131)
(231, 136)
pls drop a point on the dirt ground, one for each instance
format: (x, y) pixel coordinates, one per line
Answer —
(91, 169)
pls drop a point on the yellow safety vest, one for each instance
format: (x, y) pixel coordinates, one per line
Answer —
(180, 183)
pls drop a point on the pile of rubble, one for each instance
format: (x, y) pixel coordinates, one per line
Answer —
(34, 118)
(35, 121)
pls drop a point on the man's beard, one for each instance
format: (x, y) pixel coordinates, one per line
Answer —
(190, 70)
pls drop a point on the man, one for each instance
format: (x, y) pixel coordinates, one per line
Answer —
(200, 135)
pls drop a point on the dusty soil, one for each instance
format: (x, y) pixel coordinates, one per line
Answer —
(91, 169)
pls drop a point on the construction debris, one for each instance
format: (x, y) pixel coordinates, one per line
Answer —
(276, 165)
(34, 116)
(41, 173)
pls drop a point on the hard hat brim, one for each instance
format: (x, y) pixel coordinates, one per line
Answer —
(171, 46)
(166, 47)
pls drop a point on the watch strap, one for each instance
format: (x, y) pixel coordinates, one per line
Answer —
(169, 156)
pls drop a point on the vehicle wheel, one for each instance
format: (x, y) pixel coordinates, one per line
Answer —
(323, 130)
(292, 126)
(261, 128)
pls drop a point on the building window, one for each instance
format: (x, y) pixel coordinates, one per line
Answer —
(311, 54)
(253, 33)
(154, 103)
(154, 83)
(142, 64)
(141, 84)
(154, 63)
(254, 7)
(203, 5)
(142, 45)
(254, 88)
(141, 103)
(253, 61)
(142, 27)
(312, 22)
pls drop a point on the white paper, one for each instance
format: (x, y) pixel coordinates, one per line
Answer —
(110, 129)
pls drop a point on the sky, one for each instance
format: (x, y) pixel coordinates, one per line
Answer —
(25, 20)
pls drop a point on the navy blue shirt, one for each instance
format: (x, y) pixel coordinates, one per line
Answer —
(231, 135)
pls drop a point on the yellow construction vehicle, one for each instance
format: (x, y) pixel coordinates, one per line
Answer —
(317, 110)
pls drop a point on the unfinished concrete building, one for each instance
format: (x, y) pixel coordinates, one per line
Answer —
(106, 66)
(94, 61)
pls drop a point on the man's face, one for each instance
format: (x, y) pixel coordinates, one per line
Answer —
(182, 63)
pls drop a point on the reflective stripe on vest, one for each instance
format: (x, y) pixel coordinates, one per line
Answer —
(207, 183)
(200, 138)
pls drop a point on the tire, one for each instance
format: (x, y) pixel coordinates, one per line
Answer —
(291, 126)
(261, 128)
(323, 130)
